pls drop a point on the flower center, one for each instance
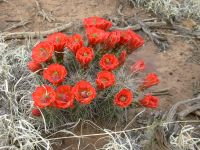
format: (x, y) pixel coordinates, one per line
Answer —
(62, 97)
(43, 52)
(85, 54)
(123, 35)
(85, 94)
(55, 76)
(57, 40)
(108, 61)
(94, 35)
(76, 40)
(123, 98)
(45, 98)
(104, 80)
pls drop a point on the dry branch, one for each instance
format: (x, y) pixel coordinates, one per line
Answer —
(173, 110)
(158, 40)
(197, 113)
(189, 110)
(22, 35)
(139, 27)
(186, 31)
(161, 92)
(46, 15)
(17, 25)
(12, 20)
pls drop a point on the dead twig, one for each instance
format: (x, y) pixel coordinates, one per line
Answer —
(176, 35)
(158, 40)
(161, 92)
(173, 110)
(196, 88)
(137, 27)
(22, 35)
(17, 25)
(186, 31)
(12, 20)
(149, 19)
(189, 110)
(119, 10)
(197, 113)
(46, 15)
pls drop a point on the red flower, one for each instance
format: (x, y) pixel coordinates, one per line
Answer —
(122, 57)
(95, 35)
(150, 80)
(43, 96)
(64, 96)
(123, 98)
(55, 73)
(58, 40)
(85, 55)
(112, 40)
(138, 66)
(97, 22)
(136, 40)
(42, 52)
(74, 42)
(125, 37)
(84, 92)
(150, 101)
(109, 62)
(33, 66)
(105, 79)
(36, 112)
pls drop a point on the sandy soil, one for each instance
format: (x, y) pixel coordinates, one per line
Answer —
(173, 67)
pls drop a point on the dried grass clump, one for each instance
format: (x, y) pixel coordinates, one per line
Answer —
(186, 139)
(18, 130)
(123, 141)
(172, 9)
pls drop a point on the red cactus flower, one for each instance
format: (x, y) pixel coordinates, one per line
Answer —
(123, 98)
(122, 57)
(125, 37)
(74, 42)
(150, 80)
(43, 96)
(58, 40)
(42, 52)
(85, 55)
(55, 73)
(95, 35)
(84, 92)
(64, 97)
(109, 62)
(33, 66)
(136, 40)
(36, 112)
(105, 79)
(112, 40)
(97, 22)
(138, 66)
(150, 101)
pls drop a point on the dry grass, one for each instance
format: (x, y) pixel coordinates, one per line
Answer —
(186, 140)
(172, 9)
(18, 129)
